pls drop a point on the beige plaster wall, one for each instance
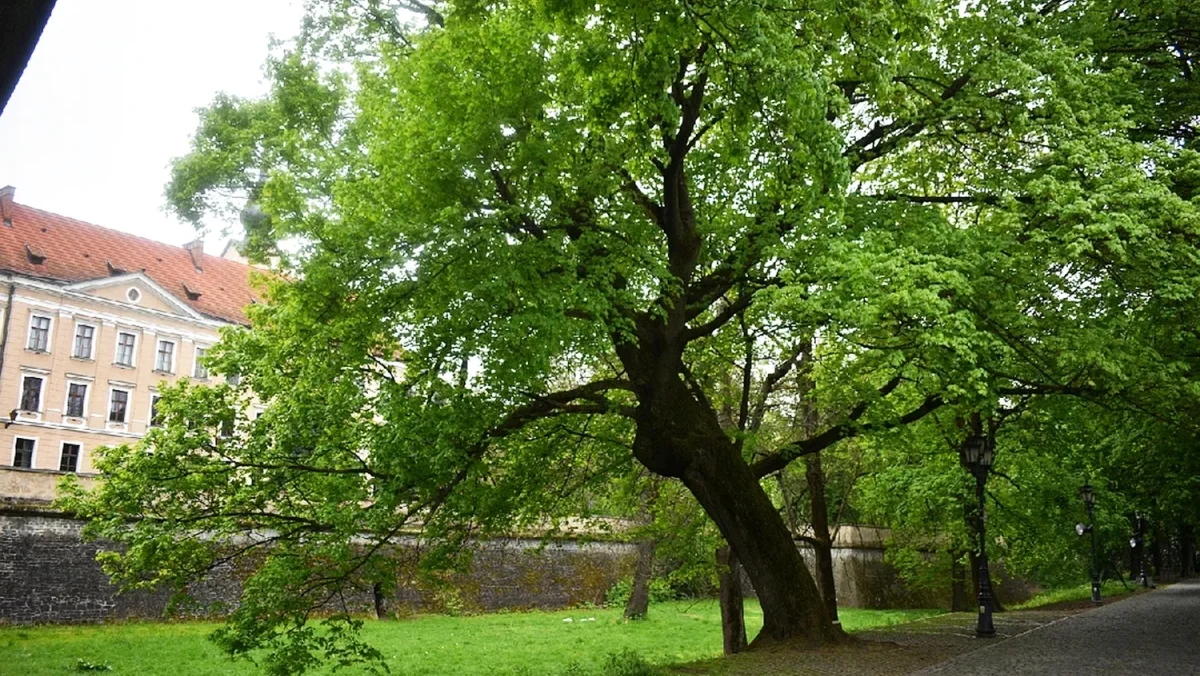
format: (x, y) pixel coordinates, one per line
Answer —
(150, 320)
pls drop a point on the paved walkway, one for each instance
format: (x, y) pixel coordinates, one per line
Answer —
(1155, 634)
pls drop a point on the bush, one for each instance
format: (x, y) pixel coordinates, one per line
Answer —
(627, 663)
(618, 594)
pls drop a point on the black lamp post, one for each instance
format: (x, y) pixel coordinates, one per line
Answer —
(976, 454)
(1138, 544)
(1089, 501)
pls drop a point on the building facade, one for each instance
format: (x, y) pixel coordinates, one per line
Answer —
(93, 323)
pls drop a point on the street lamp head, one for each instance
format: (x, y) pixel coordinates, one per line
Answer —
(1088, 495)
(974, 452)
(1080, 529)
(1133, 543)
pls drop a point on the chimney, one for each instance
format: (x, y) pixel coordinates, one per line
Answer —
(6, 204)
(196, 249)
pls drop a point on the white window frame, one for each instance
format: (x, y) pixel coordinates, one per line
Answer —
(49, 332)
(128, 406)
(87, 398)
(137, 339)
(196, 362)
(174, 355)
(41, 393)
(95, 337)
(78, 460)
(12, 457)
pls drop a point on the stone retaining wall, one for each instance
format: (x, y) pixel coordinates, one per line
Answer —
(48, 574)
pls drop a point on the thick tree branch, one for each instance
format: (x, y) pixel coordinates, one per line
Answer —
(784, 456)
(772, 381)
(505, 192)
(936, 199)
(884, 138)
(731, 310)
(432, 15)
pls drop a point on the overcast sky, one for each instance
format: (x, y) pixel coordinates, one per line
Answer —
(108, 98)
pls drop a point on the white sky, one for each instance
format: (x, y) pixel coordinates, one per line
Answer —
(108, 98)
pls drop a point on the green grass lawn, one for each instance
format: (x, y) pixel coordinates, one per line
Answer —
(501, 643)
(1108, 589)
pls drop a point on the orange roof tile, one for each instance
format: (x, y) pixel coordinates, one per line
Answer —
(76, 251)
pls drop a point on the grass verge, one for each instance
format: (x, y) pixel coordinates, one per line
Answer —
(532, 643)
(1083, 592)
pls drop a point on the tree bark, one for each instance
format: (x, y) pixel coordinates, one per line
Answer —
(731, 495)
(733, 617)
(823, 541)
(973, 564)
(381, 612)
(959, 603)
(1157, 551)
(1187, 550)
(638, 604)
(678, 434)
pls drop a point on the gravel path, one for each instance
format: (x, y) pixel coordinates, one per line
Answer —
(1155, 634)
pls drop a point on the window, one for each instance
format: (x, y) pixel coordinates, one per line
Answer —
(84, 338)
(155, 416)
(118, 406)
(165, 360)
(133, 294)
(200, 371)
(31, 393)
(39, 334)
(23, 452)
(69, 461)
(125, 345)
(76, 399)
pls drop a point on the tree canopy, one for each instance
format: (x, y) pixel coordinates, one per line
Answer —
(521, 244)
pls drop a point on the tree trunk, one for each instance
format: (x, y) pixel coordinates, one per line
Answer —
(959, 603)
(997, 606)
(732, 497)
(678, 434)
(639, 595)
(1187, 550)
(733, 616)
(381, 612)
(1157, 551)
(638, 604)
(975, 525)
(823, 541)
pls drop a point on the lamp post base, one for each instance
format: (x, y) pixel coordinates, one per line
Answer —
(984, 628)
(1096, 593)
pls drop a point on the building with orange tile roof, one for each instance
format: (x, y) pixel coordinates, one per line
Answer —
(93, 322)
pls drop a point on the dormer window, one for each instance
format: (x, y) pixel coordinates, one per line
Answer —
(191, 293)
(35, 256)
(114, 271)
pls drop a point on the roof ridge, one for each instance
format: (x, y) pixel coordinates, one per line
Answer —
(122, 233)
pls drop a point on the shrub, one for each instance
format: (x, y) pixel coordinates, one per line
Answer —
(618, 594)
(627, 663)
